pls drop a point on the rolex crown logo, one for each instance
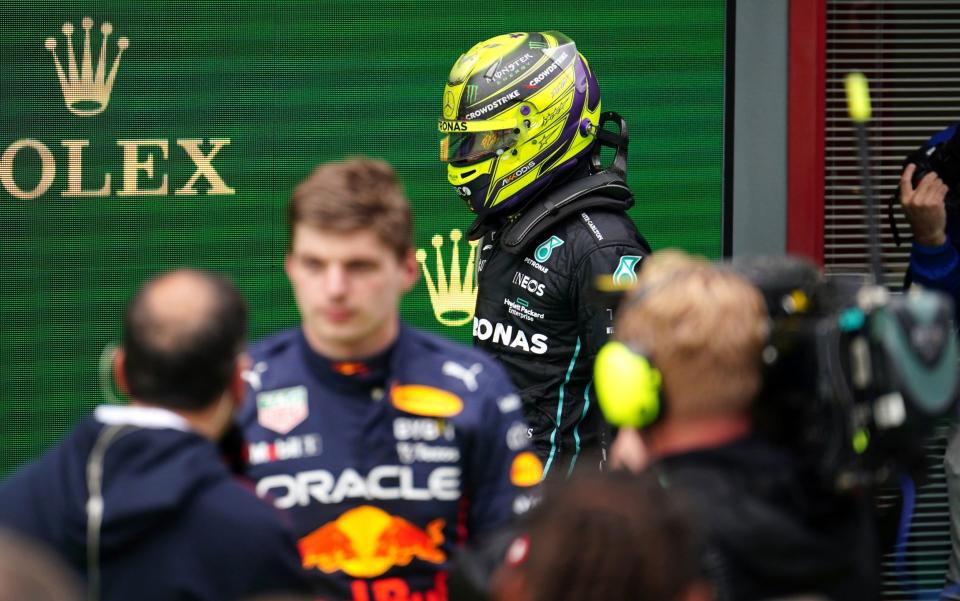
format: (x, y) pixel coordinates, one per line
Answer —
(86, 92)
(453, 299)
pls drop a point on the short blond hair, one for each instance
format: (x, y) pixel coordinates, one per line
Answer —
(704, 328)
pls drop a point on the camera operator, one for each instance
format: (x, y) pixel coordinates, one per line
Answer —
(931, 208)
(925, 194)
(681, 379)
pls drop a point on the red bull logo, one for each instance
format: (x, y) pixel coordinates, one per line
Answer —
(366, 541)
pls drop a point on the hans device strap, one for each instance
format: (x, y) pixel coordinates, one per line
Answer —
(603, 190)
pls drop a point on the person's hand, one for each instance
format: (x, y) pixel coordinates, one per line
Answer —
(924, 206)
(628, 452)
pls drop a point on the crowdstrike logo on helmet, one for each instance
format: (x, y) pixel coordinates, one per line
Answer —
(493, 105)
(546, 72)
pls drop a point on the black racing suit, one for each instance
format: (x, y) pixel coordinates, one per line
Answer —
(539, 313)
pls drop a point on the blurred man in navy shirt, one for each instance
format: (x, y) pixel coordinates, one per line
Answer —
(137, 498)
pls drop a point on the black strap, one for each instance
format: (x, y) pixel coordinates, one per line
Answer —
(604, 190)
(94, 507)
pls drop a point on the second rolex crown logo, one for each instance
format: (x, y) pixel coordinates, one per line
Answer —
(453, 298)
(86, 92)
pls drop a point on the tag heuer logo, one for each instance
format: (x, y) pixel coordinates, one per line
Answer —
(544, 251)
(282, 410)
(86, 88)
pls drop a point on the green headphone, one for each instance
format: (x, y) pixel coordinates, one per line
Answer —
(628, 386)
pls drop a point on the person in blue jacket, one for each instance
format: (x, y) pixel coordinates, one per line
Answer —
(137, 498)
(388, 447)
(934, 258)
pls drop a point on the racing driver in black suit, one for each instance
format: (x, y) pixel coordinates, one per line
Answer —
(521, 133)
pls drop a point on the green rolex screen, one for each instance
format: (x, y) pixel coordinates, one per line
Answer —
(142, 136)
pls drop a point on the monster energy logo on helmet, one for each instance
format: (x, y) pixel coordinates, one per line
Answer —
(471, 94)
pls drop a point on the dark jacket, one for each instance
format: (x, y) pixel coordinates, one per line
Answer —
(175, 522)
(770, 531)
(938, 267)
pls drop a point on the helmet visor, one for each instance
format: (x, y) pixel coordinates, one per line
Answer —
(470, 147)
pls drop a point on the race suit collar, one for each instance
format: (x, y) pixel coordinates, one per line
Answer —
(350, 376)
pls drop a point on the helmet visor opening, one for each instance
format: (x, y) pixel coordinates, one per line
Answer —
(463, 148)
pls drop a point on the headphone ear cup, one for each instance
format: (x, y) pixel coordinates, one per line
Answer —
(627, 385)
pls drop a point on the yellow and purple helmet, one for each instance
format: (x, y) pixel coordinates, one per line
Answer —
(519, 110)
